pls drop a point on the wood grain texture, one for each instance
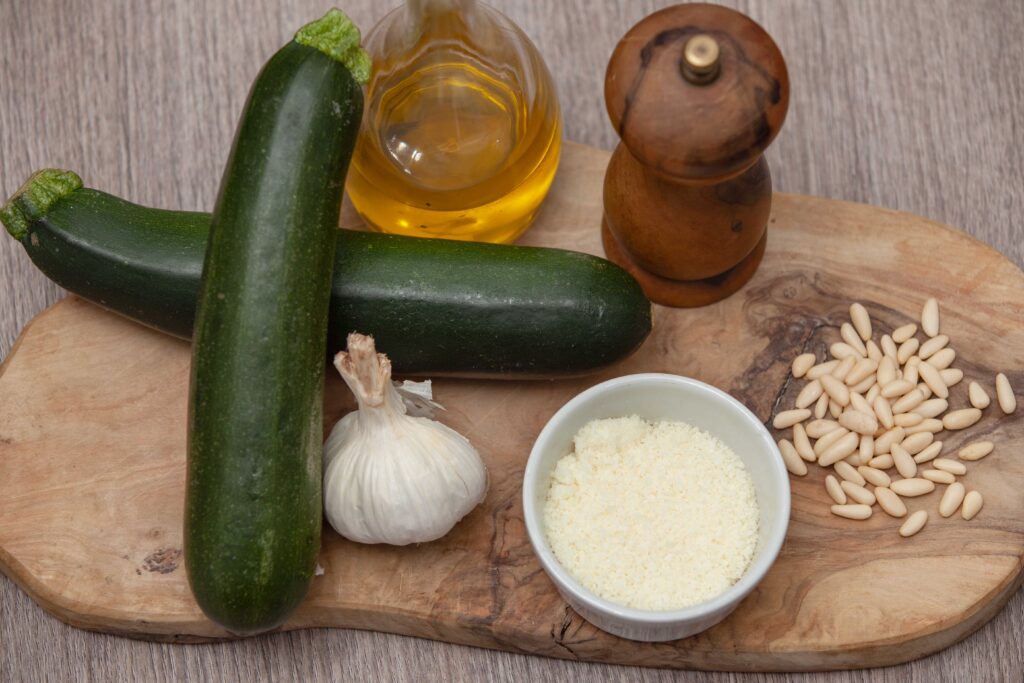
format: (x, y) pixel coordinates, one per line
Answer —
(98, 541)
(915, 105)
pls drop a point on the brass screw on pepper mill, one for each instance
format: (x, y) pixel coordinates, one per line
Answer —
(696, 92)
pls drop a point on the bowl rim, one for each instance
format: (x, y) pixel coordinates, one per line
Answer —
(759, 565)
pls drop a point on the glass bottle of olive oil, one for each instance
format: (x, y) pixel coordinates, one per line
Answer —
(462, 132)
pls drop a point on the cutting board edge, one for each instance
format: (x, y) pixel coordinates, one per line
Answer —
(1006, 262)
(881, 654)
(6, 360)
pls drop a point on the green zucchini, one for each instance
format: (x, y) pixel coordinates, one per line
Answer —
(435, 306)
(255, 427)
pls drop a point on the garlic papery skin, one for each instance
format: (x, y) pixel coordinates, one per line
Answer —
(390, 477)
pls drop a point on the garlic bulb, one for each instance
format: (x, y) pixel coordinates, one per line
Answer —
(390, 477)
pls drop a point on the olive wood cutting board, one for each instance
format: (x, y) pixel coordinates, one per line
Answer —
(92, 465)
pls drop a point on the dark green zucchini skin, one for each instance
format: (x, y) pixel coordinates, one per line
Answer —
(471, 309)
(142, 263)
(253, 505)
(436, 307)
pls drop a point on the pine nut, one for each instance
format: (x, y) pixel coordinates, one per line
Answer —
(852, 511)
(858, 493)
(823, 444)
(866, 449)
(951, 466)
(914, 523)
(819, 428)
(843, 447)
(961, 419)
(794, 464)
(846, 472)
(874, 353)
(972, 505)
(886, 371)
(910, 372)
(858, 403)
(834, 409)
(841, 350)
(925, 425)
(1004, 394)
(873, 476)
(809, 394)
(874, 392)
(910, 488)
(907, 349)
(889, 347)
(821, 369)
(897, 388)
(859, 422)
(904, 332)
(821, 407)
(885, 441)
(933, 379)
(905, 464)
(942, 359)
(835, 490)
(864, 385)
(802, 444)
(908, 419)
(976, 450)
(864, 368)
(951, 499)
(908, 402)
(836, 390)
(978, 397)
(844, 367)
(924, 389)
(853, 459)
(788, 418)
(861, 320)
(890, 503)
(934, 344)
(932, 408)
(915, 443)
(852, 338)
(881, 462)
(883, 411)
(802, 363)
(939, 476)
(929, 453)
(951, 376)
(930, 317)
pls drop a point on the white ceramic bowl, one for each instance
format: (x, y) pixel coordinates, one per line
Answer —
(661, 397)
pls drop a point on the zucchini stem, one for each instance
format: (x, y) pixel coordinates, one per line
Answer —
(336, 36)
(33, 200)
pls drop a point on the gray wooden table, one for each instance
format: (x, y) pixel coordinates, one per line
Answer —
(910, 104)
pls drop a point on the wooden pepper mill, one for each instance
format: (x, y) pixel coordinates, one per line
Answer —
(696, 92)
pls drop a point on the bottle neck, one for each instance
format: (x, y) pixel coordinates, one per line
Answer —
(420, 9)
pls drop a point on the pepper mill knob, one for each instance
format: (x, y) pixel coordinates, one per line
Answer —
(696, 93)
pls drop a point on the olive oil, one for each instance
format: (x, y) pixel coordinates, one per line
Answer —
(462, 133)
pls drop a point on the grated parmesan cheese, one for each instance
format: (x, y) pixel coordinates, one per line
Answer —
(655, 516)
